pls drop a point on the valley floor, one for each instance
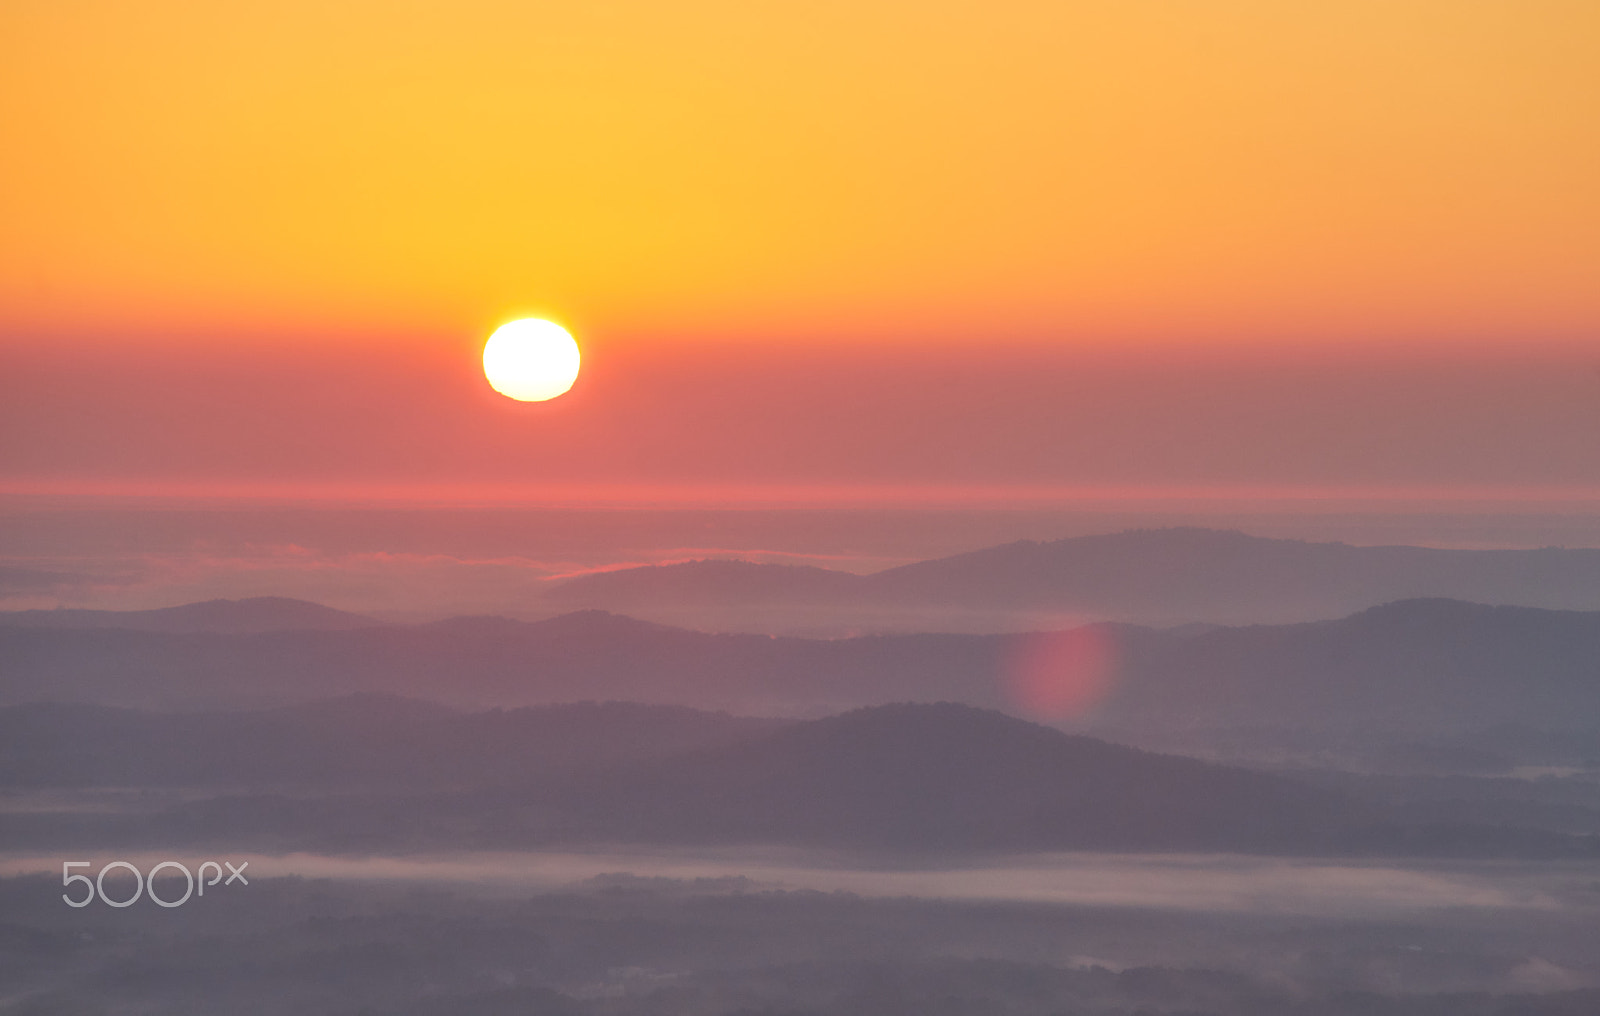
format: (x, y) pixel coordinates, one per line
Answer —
(707, 933)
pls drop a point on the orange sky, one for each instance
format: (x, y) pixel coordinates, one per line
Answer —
(1057, 171)
(1238, 245)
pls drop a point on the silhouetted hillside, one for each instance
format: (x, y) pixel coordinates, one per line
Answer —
(1418, 668)
(358, 741)
(494, 661)
(950, 777)
(906, 779)
(1161, 576)
(1428, 666)
(711, 581)
(255, 614)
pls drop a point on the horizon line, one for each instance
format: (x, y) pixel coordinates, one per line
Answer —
(775, 495)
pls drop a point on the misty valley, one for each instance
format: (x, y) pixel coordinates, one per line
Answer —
(635, 941)
(1393, 811)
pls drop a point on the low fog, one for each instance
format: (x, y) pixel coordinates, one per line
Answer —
(719, 934)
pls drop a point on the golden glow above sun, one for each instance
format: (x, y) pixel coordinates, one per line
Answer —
(531, 360)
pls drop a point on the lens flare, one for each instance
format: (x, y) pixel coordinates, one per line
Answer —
(1060, 675)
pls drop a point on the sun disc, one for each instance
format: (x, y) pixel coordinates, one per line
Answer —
(530, 360)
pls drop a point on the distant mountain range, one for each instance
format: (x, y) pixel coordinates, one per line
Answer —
(904, 779)
(1430, 668)
(358, 741)
(946, 777)
(1154, 577)
(255, 614)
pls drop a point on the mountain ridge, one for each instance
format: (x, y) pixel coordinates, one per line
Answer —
(1424, 668)
(903, 780)
(247, 615)
(1150, 576)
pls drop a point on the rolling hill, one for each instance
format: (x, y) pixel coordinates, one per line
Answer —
(236, 617)
(1415, 668)
(1153, 577)
(901, 780)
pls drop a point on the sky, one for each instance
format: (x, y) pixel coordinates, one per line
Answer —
(1051, 171)
(969, 254)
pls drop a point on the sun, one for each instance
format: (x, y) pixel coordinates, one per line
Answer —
(530, 360)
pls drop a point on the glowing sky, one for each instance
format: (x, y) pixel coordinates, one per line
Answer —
(851, 242)
(1198, 170)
